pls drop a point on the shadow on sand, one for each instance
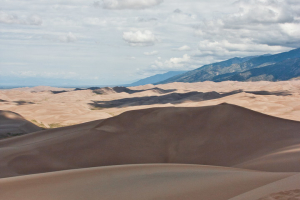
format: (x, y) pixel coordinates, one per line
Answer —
(175, 98)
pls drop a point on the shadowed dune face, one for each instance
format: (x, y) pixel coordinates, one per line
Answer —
(109, 90)
(12, 124)
(277, 93)
(20, 103)
(174, 98)
(222, 135)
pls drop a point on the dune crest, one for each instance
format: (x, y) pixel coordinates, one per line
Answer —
(221, 135)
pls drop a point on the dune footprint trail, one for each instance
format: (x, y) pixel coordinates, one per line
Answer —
(156, 153)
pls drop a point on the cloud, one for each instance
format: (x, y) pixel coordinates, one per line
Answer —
(48, 74)
(129, 4)
(14, 19)
(95, 21)
(261, 12)
(257, 27)
(96, 4)
(181, 63)
(152, 19)
(68, 38)
(35, 20)
(8, 18)
(183, 48)
(151, 53)
(180, 17)
(224, 49)
(139, 38)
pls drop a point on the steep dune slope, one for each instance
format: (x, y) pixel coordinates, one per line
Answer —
(12, 124)
(222, 135)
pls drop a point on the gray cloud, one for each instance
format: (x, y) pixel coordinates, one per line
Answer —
(67, 38)
(14, 19)
(258, 26)
(183, 48)
(261, 12)
(34, 20)
(129, 4)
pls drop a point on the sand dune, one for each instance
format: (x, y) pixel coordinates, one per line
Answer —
(12, 124)
(53, 106)
(192, 149)
(222, 135)
(140, 182)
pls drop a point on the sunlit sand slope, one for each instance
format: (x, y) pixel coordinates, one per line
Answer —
(136, 182)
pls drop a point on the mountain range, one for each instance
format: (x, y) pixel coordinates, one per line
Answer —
(156, 78)
(277, 67)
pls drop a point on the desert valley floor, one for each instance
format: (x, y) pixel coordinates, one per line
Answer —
(206, 140)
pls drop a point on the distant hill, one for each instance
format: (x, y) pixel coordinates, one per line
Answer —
(223, 70)
(156, 78)
(281, 71)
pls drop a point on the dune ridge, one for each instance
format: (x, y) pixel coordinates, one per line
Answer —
(222, 135)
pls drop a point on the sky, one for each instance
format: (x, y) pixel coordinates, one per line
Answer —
(111, 42)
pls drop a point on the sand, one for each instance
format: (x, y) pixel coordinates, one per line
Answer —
(222, 135)
(185, 143)
(13, 124)
(75, 107)
(161, 181)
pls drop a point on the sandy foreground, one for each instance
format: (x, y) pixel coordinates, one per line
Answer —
(146, 182)
(174, 141)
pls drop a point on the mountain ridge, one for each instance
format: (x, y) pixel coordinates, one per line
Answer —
(156, 78)
(232, 66)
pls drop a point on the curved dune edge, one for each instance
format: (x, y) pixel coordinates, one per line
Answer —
(151, 181)
(13, 124)
(222, 135)
(284, 189)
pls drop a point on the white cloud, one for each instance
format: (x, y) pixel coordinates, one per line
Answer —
(224, 48)
(68, 38)
(151, 53)
(129, 4)
(183, 48)
(176, 61)
(139, 38)
(181, 63)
